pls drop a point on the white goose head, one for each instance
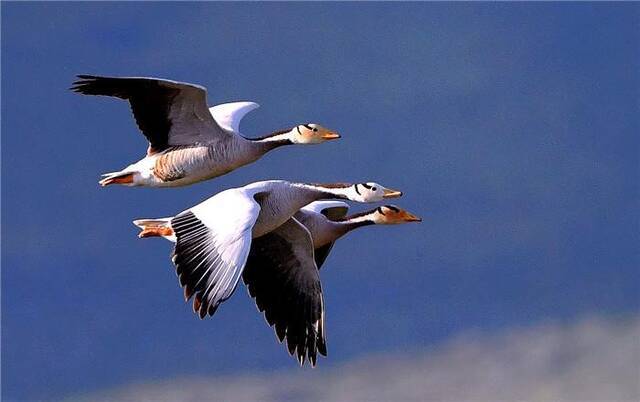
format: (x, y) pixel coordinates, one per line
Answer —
(371, 192)
(359, 192)
(311, 134)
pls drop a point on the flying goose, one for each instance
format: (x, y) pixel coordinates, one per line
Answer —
(188, 142)
(213, 241)
(272, 272)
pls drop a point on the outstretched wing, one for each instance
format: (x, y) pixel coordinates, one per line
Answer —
(282, 277)
(229, 115)
(167, 112)
(212, 245)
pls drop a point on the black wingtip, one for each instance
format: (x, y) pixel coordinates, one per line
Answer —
(188, 293)
(322, 349)
(291, 347)
(281, 332)
(90, 85)
(80, 86)
(212, 310)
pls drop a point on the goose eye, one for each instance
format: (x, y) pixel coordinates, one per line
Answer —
(373, 188)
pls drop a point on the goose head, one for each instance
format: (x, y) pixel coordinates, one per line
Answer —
(311, 134)
(359, 192)
(392, 215)
(372, 192)
(366, 192)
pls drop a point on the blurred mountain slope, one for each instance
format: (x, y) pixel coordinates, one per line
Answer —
(591, 359)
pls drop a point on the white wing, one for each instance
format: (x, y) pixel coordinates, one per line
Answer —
(228, 115)
(331, 209)
(213, 240)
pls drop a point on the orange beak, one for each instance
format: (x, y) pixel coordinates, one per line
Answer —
(389, 193)
(330, 135)
(409, 217)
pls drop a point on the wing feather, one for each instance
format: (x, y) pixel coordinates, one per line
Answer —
(167, 112)
(282, 277)
(212, 247)
(229, 115)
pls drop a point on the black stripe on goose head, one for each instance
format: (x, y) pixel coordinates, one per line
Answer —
(356, 187)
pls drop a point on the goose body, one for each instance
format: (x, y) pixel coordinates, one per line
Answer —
(217, 238)
(188, 142)
(183, 165)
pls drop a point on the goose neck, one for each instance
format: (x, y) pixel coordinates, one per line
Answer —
(354, 222)
(328, 191)
(274, 140)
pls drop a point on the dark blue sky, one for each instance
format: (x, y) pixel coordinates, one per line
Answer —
(511, 128)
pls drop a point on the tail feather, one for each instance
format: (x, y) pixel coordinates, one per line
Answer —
(125, 178)
(160, 227)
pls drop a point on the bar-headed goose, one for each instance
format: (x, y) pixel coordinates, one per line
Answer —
(188, 142)
(213, 242)
(327, 222)
(280, 270)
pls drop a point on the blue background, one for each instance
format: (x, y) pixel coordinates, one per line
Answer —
(511, 128)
